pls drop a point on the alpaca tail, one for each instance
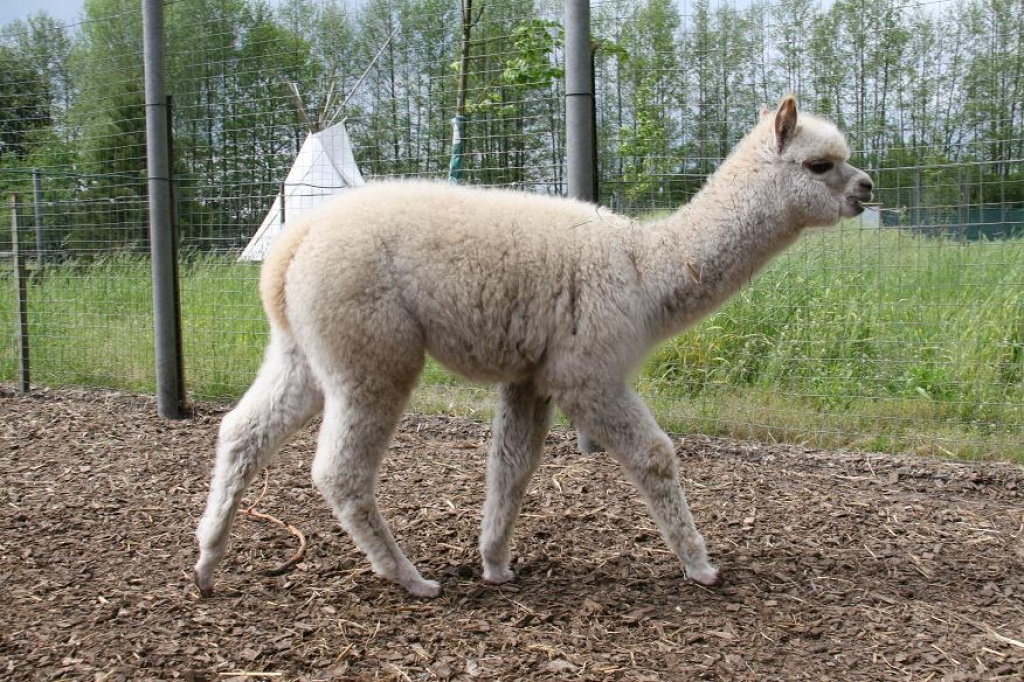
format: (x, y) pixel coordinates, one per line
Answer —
(275, 271)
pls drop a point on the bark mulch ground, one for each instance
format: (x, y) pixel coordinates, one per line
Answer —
(842, 566)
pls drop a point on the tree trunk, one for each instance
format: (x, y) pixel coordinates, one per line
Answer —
(459, 120)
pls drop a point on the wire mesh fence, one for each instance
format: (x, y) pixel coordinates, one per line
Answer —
(901, 330)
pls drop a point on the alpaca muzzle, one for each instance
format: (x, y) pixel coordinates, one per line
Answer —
(861, 194)
(854, 206)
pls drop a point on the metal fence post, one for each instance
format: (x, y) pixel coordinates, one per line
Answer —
(580, 133)
(580, 152)
(37, 196)
(21, 289)
(166, 328)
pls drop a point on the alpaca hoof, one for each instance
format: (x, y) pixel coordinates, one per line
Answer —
(587, 445)
(205, 586)
(499, 576)
(708, 576)
(425, 589)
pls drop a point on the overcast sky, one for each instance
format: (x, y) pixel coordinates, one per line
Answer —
(67, 11)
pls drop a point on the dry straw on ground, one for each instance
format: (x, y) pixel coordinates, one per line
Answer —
(840, 565)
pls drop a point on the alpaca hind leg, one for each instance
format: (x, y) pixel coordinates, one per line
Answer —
(521, 423)
(586, 444)
(282, 399)
(619, 420)
(357, 426)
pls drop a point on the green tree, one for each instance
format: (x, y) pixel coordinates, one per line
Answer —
(404, 106)
(994, 88)
(23, 104)
(858, 57)
(108, 113)
(513, 101)
(650, 132)
(236, 127)
(791, 19)
(917, 169)
(724, 52)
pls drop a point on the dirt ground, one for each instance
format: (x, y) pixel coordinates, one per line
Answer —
(842, 566)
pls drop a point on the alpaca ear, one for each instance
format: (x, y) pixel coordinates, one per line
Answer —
(785, 122)
(764, 111)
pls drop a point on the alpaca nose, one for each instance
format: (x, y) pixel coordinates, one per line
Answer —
(864, 187)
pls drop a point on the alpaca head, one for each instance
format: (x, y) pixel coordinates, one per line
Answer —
(821, 186)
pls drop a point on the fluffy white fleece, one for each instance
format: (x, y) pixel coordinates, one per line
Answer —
(555, 300)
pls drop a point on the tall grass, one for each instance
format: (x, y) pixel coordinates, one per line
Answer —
(859, 337)
(89, 324)
(865, 338)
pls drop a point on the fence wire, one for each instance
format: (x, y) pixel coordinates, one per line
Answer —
(903, 330)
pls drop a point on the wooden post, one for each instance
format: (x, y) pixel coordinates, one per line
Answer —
(21, 293)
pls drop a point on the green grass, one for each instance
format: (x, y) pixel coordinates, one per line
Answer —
(89, 324)
(855, 338)
(858, 337)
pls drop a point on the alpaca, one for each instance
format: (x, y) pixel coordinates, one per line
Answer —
(556, 300)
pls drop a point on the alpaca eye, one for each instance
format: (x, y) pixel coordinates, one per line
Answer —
(819, 167)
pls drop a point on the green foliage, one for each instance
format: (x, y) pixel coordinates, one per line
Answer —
(646, 142)
(861, 325)
(22, 104)
(512, 80)
(925, 94)
(530, 67)
(642, 59)
(534, 43)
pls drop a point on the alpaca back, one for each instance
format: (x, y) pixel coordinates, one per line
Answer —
(489, 281)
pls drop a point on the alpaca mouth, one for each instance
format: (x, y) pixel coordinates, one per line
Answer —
(854, 206)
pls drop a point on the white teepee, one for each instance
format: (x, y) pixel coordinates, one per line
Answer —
(324, 166)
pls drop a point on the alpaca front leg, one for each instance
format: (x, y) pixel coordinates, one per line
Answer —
(352, 443)
(620, 421)
(520, 425)
(281, 400)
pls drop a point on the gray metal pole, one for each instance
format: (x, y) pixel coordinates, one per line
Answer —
(580, 154)
(166, 332)
(21, 289)
(37, 196)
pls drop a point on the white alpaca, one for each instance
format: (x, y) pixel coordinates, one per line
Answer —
(554, 299)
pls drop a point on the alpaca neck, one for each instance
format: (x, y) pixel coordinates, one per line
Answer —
(709, 248)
